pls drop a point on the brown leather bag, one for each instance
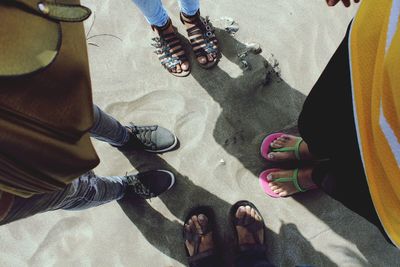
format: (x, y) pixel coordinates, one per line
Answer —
(46, 107)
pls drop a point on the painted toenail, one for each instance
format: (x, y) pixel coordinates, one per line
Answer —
(269, 177)
(270, 156)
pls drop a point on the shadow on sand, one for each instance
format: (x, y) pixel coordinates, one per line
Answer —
(166, 234)
(248, 102)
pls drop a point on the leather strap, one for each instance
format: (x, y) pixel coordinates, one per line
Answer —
(55, 11)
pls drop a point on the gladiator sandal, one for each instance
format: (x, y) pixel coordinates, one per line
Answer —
(202, 38)
(170, 50)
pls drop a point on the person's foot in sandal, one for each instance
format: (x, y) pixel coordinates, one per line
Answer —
(303, 181)
(245, 236)
(198, 225)
(289, 141)
(170, 50)
(202, 38)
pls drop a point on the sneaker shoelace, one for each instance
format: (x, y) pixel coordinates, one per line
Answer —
(143, 133)
(138, 187)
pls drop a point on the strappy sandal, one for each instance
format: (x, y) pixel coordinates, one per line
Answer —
(168, 46)
(251, 224)
(264, 183)
(197, 256)
(202, 38)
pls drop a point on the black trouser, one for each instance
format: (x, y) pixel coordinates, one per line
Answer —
(248, 258)
(327, 125)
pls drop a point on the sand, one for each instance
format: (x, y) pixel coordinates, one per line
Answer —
(220, 117)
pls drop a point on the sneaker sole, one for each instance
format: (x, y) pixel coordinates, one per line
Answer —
(165, 149)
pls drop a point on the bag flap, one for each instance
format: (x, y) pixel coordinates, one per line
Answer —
(30, 34)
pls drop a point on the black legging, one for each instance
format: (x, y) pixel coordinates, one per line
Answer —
(326, 124)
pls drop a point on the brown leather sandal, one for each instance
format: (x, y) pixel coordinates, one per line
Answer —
(202, 38)
(169, 49)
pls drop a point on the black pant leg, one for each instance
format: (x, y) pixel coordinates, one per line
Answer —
(326, 122)
(327, 125)
(252, 258)
(209, 261)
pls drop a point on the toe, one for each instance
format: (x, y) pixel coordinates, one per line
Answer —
(197, 225)
(283, 194)
(202, 219)
(277, 144)
(273, 186)
(202, 60)
(248, 210)
(278, 190)
(253, 213)
(185, 66)
(275, 175)
(241, 212)
(178, 68)
(278, 156)
(210, 58)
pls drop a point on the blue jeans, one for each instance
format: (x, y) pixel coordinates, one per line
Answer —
(88, 190)
(155, 13)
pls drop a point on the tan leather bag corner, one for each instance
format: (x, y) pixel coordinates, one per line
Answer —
(46, 107)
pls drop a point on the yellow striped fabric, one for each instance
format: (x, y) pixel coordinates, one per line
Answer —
(375, 63)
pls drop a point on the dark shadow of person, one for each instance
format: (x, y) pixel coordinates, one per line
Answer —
(166, 234)
(254, 103)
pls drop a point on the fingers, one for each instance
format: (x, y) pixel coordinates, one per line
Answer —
(346, 3)
(332, 2)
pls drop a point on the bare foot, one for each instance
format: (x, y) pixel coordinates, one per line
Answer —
(244, 235)
(289, 141)
(198, 225)
(288, 188)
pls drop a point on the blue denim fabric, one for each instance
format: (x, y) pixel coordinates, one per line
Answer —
(155, 13)
(89, 190)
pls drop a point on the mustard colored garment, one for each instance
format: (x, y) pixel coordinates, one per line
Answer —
(375, 63)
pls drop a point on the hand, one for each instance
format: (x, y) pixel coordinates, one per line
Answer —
(345, 2)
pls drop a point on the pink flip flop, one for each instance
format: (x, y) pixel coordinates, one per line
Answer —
(264, 183)
(266, 146)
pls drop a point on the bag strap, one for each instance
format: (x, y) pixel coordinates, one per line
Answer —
(55, 11)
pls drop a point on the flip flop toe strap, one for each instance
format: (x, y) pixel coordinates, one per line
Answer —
(295, 149)
(293, 179)
(196, 238)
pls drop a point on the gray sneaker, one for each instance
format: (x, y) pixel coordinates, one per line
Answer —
(153, 139)
(150, 184)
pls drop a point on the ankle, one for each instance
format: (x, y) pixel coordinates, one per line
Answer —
(161, 29)
(190, 17)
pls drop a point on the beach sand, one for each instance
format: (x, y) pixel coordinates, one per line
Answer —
(220, 116)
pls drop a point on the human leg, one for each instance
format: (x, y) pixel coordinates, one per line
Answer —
(189, 7)
(153, 11)
(91, 190)
(168, 45)
(153, 138)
